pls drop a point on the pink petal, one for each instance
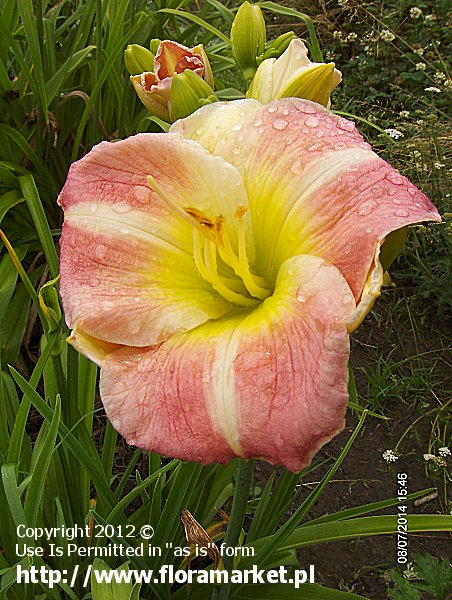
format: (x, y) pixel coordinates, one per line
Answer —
(270, 383)
(127, 269)
(313, 183)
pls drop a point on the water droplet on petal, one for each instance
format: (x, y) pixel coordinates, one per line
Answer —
(400, 212)
(395, 178)
(100, 251)
(307, 108)
(346, 299)
(93, 282)
(301, 298)
(346, 125)
(280, 124)
(312, 122)
(236, 127)
(297, 167)
(258, 123)
(121, 207)
(93, 208)
(272, 109)
(396, 201)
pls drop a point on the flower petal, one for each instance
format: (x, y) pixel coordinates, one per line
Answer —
(127, 269)
(271, 382)
(313, 184)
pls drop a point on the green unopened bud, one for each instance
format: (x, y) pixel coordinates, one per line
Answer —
(275, 48)
(138, 59)
(154, 45)
(314, 83)
(50, 306)
(188, 93)
(248, 38)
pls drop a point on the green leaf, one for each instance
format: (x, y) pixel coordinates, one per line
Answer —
(306, 591)
(113, 590)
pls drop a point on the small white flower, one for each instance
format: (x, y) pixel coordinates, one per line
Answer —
(394, 133)
(420, 122)
(337, 35)
(404, 114)
(433, 89)
(445, 450)
(440, 76)
(342, 3)
(429, 457)
(419, 51)
(430, 17)
(387, 35)
(417, 154)
(415, 12)
(352, 37)
(440, 165)
(390, 456)
(421, 66)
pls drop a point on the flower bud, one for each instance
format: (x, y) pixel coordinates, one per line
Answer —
(275, 48)
(248, 38)
(188, 93)
(294, 75)
(50, 306)
(138, 59)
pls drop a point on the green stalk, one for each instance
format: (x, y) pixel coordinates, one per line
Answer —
(244, 478)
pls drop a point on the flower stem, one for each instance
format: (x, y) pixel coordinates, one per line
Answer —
(243, 480)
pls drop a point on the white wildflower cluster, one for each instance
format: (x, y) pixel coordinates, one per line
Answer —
(387, 36)
(415, 12)
(444, 451)
(337, 35)
(395, 134)
(438, 462)
(351, 37)
(420, 122)
(439, 76)
(417, 154)
(404, 114)
(419, 51)
(410, 572)
(432, 89)
(421, 66)
(390, 456)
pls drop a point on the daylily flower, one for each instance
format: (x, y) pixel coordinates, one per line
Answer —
(294, 75)
(154, 88)
(214, 273)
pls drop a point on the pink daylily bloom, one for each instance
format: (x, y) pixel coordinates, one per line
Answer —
(154, 88)
(215, 272)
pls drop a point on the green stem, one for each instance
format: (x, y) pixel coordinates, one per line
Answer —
(243, 481)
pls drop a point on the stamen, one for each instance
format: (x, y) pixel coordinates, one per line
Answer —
(207, 267)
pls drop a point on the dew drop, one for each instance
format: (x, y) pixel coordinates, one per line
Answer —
(100, 251)
(272, 109)
(141, 194)
(346, 299)
(312, 122)
(280, 124)
(285, 112)
(297, 167)
(121, 207)
(301, 298)
(395, 178)
(369, 230)
(132, 442)
(93, 208)
(366, 208)
(400, 212)
(258, 123)
(94, 282)
(396, 201)
(308, 109)
(346, 125)
(236, 127)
